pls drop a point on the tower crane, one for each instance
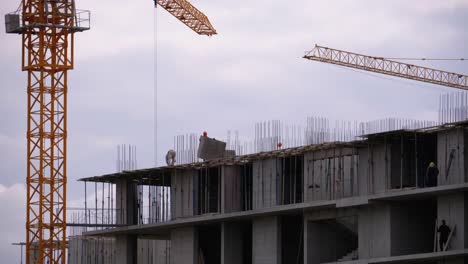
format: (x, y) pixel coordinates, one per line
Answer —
(388, 67)
(47, 28)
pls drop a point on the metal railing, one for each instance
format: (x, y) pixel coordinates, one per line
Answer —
(81, 22)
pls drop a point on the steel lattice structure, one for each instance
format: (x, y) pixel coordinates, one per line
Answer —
(189, 15)
(389, 67)
(47, 29)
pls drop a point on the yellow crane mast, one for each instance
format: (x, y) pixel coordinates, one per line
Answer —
(388, 67)
(47, 28)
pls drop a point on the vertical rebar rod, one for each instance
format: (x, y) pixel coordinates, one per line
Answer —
(102, 203)
(401, 163)
(86, 204)
(96, 203)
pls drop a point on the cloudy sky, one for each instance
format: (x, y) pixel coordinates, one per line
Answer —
(251, 71)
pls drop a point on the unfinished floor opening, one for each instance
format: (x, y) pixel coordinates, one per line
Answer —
(332, 240)
(413, 226)
(208, 195)
(292, 178)
(292, 236)
(236, 242)
(246, 175)
(247, 242)
(411, 154)
(209, 244)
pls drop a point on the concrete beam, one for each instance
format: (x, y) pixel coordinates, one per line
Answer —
(231, 196)
(126, 203)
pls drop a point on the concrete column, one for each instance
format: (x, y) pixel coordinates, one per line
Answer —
(126, 202)
(363, 171)
(127, 213)
(231, 244)
(266, 247)
(182, 193)
(184, 246)
(379, 181)
(126, 249)
(265, 184)
(231, 196)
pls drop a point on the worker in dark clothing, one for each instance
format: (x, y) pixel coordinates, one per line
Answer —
(431, 175)
(444, 231)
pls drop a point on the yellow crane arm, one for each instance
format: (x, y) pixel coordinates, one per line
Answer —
(389, 67)
(189, 15)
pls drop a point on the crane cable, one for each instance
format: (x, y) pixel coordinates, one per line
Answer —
(155, 81)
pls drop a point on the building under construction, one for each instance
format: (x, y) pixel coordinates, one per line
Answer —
(362, 201)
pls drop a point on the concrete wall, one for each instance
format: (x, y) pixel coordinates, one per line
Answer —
(374, 168)
(466, 220)
(374, 231)
(465, 157)
(266, 239)
(91, 250)
(380, 167)
(231, 244)
(231, 196)
(182, 193)
(451, 141)
(364, 171)
(453, 208)
(184, 246)
(265, 183)
(153, 251)
(316, 182)
(320, 170)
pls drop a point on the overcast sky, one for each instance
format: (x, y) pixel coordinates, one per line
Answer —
(253, 70)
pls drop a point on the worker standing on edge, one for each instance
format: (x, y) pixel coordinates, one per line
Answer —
(431, 175)
(444, 231)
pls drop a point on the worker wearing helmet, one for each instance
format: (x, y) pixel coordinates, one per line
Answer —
(431, 175)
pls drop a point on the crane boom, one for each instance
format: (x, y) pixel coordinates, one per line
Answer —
(389, 67)
(189, 15)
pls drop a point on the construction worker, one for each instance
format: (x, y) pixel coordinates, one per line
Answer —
(444, 231)
(431, 175)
